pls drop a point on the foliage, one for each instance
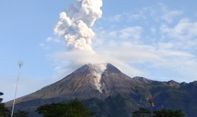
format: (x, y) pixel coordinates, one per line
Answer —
(3, 111)
(142, 112)
(72, 109)
(159, 113)
(168, 113)
(1, 98)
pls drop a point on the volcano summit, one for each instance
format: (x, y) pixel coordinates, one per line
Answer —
(108, 92)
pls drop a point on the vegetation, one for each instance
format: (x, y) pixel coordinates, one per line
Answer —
(77, 109)
(3, 111)
(142, 112)
(168, 113)
(1, 98)
(72, 109)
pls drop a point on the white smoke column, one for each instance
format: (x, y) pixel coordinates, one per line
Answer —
(75, 25)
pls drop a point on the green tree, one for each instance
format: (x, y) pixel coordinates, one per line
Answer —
(159, 113)
(142, 112)
(72, 109)
(168, 113)
(1, 98)
(3, 111)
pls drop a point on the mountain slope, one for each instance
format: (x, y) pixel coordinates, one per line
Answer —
(110, 93)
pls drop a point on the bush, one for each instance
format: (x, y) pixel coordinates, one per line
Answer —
(142, 112)
(168, 113)
(72, 109)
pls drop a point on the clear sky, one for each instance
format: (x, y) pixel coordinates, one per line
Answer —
(156, 39)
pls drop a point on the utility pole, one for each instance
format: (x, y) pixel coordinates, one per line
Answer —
(20, 64)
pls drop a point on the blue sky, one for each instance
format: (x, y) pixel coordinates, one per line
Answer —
(155, 39)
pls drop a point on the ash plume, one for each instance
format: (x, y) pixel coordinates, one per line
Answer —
(75, 27)
(75, 24)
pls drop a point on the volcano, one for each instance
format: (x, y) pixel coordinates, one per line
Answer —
(108, 92)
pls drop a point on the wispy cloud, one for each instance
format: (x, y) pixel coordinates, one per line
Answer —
(158, 12)
(160, 55)
(183, 34)
(168, 41)
(153, 36)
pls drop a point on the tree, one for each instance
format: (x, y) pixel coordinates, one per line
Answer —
(159, 113)
(1, 98)
(3, 111)
(142, 112)
(72, 109)
(168, 113)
